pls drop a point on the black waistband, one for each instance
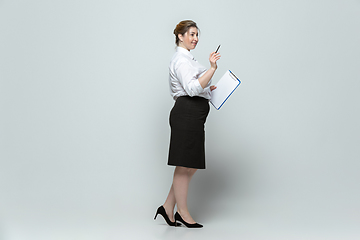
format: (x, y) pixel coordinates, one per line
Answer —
(194, 97)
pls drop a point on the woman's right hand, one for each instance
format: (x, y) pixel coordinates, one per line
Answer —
(204, 79)
(213, 58)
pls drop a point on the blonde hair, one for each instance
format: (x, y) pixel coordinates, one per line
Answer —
(182, 28)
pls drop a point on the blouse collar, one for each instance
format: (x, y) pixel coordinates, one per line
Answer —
(186, 52)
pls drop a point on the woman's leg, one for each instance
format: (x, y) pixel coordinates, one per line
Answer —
(182, 177)
(178, 194)
(169, 204)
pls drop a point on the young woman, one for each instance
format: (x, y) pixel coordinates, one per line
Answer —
(191, 90)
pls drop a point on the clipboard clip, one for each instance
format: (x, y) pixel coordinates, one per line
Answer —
(233, 76)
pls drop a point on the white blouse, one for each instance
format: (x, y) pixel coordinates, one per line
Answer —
(184, 72)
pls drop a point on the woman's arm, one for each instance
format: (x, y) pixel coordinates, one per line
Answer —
(204, 79)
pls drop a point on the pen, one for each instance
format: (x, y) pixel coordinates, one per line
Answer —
(233, 75)
(217, 48)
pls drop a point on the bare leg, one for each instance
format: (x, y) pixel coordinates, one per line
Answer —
(169, 204)
(182, 177)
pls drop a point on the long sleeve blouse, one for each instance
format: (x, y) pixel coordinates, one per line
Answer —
(184, 72)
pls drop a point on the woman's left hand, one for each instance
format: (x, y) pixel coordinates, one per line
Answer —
(213, 87)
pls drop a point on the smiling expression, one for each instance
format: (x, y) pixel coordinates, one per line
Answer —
(190, 39)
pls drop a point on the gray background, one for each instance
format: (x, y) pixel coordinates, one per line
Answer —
(84, 104)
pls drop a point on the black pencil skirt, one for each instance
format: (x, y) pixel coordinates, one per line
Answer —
(187, 140)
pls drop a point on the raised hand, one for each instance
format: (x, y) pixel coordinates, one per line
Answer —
(204, 79)
(213, 58)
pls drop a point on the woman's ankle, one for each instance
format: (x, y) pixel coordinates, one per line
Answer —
(168, 208)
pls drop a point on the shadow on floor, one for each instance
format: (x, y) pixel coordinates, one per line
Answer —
(224, 182)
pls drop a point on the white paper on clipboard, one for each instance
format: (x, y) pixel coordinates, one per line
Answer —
(224, 88)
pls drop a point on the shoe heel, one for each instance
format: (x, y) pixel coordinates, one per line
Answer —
(177, 224)
(162, 212)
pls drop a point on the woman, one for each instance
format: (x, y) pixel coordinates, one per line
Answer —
(191, 90)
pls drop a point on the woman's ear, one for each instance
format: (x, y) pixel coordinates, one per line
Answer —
(181, 37)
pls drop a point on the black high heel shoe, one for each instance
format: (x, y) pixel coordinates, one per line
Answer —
(192, 225)
(162, 212)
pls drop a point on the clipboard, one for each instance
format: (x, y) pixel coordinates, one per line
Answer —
(224, 88)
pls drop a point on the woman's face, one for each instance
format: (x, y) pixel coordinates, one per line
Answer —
(190, 39)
